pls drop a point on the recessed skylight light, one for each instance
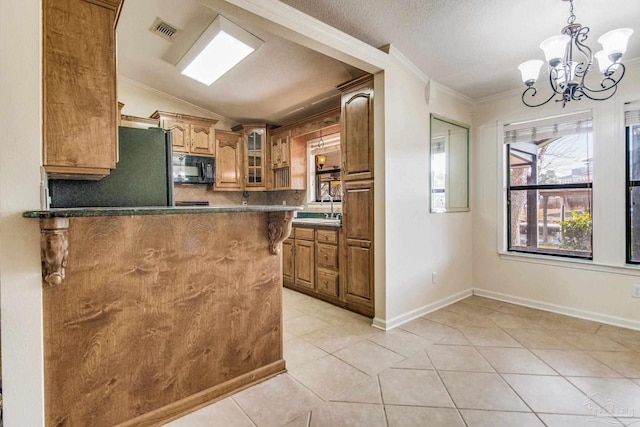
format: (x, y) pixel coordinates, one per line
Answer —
(218, 49)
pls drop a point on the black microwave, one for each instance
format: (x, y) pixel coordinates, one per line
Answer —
(189, 169)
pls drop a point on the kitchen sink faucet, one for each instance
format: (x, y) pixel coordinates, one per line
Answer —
(332, 215)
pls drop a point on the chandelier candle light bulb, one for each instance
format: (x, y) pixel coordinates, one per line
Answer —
(570, 60)
(530, 70)
(614, 43)
(604, 62)
(554, 49)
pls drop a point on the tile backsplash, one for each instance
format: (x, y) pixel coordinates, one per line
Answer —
(220, 198)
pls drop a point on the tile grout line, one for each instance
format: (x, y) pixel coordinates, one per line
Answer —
(243, 411)
(384, 405)
(430, 342)
(455, 405)
(553, 369)
(509, 385)
(559, 375)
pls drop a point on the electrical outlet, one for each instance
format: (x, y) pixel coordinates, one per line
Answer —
(434, 278)
(635, 291)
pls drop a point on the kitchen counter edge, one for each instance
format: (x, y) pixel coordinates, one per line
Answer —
(128, 211)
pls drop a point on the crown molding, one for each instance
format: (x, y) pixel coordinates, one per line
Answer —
(405, 63)
(447, 90)
(508, 94)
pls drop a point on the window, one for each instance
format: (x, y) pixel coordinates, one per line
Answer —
(549, 186)
(328, 186)
(632, 127)
(324, 179)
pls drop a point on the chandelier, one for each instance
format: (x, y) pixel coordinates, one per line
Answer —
(569, 61)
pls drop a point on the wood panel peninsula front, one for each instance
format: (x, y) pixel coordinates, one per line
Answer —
(150, 313)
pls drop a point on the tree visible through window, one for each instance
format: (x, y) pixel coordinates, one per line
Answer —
(549, 188)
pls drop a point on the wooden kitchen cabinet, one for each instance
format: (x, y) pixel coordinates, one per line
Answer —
(80, 106)
(358, 262)
(189, 134)
(288, 163)
(229, 154)
(328, 283)
(298, 264)
(357, 129)
(311, 263)
(255, 143)
(287, 259)
(180, 134)
(305, 257)
(327, 263)
(280, 150)
(357, 244)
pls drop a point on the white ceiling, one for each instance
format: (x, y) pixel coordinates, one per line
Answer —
(471, 46)
(271, 85)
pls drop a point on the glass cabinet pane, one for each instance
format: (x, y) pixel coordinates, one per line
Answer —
(254, 158)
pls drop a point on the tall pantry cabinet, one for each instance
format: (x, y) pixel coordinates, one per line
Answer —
(357, 263)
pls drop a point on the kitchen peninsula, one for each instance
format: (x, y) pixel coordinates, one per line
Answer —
(150, 313)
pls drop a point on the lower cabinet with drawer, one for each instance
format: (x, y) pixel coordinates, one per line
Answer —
(310, 263)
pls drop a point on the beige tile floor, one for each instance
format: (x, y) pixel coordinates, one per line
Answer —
(478, 362)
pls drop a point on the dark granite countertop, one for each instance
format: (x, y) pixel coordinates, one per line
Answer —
(154, 210)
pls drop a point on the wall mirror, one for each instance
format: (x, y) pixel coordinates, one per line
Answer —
(449, 165)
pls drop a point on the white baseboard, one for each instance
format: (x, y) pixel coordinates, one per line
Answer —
(561, 309)
(387, 325)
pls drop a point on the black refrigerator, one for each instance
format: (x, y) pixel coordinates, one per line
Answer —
(142, 176)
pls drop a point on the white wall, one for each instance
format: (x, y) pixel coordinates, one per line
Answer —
(142, 101)
(600, 289)
(416, 242)
(20, 154)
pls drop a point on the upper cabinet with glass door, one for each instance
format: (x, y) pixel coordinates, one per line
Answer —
(449, 166)
(255, 141)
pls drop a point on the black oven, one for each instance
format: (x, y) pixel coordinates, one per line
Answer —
(189, 169)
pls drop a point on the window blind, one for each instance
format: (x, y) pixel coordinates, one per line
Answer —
(554, 127)
(632, 113)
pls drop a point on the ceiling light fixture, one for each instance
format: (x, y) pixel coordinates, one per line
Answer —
(570, 60)
(218, 49)
(321, 159)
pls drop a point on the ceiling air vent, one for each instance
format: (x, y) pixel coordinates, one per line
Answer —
(163, 29)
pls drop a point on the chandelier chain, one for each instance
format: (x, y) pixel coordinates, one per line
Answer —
(572, 17)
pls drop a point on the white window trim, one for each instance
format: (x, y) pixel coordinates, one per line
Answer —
(574, 263)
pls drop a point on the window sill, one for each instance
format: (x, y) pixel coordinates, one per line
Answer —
(575, 263)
